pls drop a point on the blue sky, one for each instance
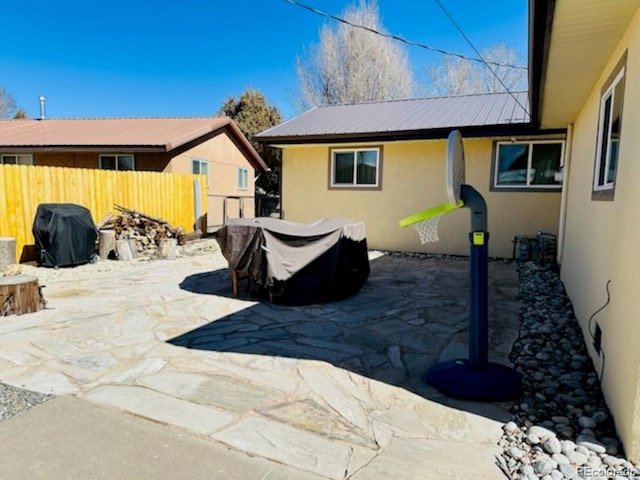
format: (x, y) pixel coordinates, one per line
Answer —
(167, 58)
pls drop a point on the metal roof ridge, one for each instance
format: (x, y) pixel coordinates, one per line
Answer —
(417, 99)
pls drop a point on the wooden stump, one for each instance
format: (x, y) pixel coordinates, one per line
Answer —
(168, 248)
(107, 243)
(126, 249)
(7, 252)
(20, 294)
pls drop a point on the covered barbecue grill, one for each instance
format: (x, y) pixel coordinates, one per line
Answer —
(65, 235)
(298, 264)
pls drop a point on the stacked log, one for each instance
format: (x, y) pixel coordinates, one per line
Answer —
(132, 234)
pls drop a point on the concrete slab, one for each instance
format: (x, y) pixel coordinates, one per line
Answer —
(69, 438)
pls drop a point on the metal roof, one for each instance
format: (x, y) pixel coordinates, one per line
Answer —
(161, 134)
(404, 116)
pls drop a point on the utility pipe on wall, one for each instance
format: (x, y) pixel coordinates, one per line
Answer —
(565, 191)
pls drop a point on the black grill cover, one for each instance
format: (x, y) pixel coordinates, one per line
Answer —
(65, 235)
(300, 263)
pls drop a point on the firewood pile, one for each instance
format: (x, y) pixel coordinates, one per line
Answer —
(132, 234)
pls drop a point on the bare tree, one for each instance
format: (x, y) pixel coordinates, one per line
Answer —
(351, 65)
(457, 76)
(7, 104)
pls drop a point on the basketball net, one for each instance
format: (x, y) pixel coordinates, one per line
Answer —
(428, 229)
(426, 222)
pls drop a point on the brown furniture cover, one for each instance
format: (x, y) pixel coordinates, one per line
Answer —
(299, 263)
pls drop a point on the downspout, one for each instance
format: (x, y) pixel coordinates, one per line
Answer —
(565, 192)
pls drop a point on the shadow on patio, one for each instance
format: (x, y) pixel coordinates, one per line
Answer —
(411, 313)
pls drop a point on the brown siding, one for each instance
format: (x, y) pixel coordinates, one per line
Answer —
(152, 162)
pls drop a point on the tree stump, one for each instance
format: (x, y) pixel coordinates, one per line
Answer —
(107, 243)
(7, 252)
(20, 294)
(168, 248)
(126, 249)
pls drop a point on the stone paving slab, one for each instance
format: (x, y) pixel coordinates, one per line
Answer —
(409, 459)
(333, 390)
(161, 408)
(288, 445)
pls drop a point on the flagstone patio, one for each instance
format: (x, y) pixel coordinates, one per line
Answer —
(334, 390)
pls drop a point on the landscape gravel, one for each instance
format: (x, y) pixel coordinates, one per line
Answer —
(201, 246)
(561, 427)
(14, 400)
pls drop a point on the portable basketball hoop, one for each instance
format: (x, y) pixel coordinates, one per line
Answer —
(474, 378)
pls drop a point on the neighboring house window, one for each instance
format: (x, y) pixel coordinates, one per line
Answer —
(200, 167)
(609, 125)
(243, 178)
(355, 167)
(16, 159)
(117, 162)
(528, 165)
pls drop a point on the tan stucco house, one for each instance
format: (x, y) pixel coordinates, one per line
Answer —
(565, 159)
(380, 162)
(585, 77)
(214, 147)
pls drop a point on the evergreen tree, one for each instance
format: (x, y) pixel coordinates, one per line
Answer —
(253, 114)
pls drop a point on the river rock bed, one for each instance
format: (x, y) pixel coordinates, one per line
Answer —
(561, 427)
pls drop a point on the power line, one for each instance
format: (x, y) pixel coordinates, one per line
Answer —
(403, 40)
(455, 24)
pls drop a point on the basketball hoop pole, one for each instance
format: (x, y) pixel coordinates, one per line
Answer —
(479, 278)
(477, 378)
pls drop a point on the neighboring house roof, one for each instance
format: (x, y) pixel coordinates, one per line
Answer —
(124, 134)
(482, 114)
(570, 42)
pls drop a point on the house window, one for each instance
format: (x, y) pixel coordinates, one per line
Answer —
(200, 167)
(243, 179)
(611, 101)
(355, 167)
(16, 159)
(528, 165)
(117, 162)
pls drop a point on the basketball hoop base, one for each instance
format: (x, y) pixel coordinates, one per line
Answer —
(492, 383)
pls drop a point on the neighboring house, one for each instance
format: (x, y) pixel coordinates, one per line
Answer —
(214, 147)
(380, 162)
(585, 77)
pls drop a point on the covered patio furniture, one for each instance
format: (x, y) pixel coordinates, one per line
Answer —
(297, 264)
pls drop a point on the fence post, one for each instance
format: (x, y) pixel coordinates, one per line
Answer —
(197, 192)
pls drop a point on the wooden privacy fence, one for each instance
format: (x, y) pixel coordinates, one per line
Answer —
(22, 188)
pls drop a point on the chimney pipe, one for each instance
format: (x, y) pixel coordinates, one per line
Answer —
(42, 100)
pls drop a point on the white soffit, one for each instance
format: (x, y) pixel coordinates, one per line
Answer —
(583, 37)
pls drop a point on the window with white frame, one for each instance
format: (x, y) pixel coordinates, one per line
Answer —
(531, 165)
(16, 159)
(117, 162)
(243, 178)
(609, 125)
(358, 167)
(200, 167)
